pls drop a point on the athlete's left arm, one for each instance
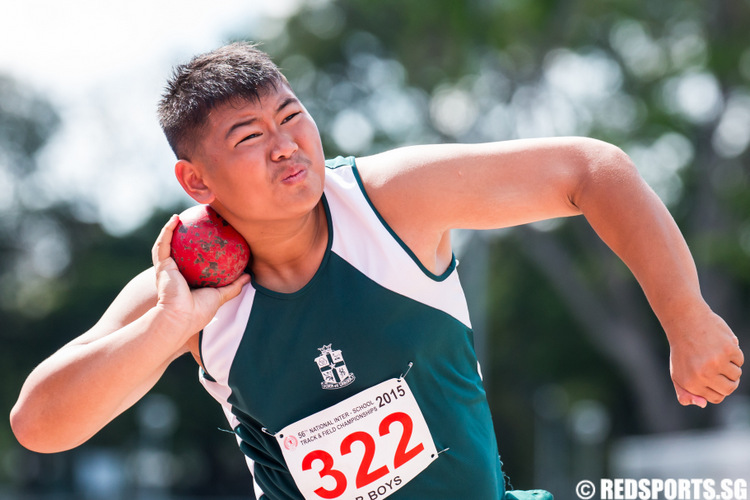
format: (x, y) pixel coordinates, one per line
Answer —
(424, 191)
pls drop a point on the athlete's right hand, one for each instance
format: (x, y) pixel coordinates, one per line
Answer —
(190, 309)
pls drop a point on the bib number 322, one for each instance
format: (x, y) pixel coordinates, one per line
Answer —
(363, 448)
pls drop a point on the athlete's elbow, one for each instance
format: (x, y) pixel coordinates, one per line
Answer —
(33, 434)
(24, 428)
(602, 167)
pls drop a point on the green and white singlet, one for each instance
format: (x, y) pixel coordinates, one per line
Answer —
(371, 313)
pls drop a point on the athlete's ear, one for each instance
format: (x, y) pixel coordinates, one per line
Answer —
(190, 177)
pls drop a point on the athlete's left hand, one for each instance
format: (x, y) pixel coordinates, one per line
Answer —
(705, 359)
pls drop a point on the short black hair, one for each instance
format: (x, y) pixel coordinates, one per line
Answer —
(235, 72)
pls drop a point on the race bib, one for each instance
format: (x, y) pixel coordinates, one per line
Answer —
(363, 448)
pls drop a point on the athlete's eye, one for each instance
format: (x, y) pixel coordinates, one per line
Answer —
(290, 117)
(247, 138)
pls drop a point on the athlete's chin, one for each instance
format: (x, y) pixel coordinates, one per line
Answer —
(303, 200)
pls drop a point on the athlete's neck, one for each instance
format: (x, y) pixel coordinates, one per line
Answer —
(287, 255)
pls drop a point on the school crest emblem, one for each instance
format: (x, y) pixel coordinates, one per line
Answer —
(333, 368)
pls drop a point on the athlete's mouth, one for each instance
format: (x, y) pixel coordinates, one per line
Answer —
(294, 174)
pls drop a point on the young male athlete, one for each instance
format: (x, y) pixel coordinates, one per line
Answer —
(344, 359)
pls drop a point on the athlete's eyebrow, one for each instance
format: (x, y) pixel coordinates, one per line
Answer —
(238, 125)
(286, 102)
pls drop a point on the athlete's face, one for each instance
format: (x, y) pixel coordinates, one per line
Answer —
(259, 160)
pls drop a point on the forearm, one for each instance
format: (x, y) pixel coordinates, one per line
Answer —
(705, 360)
(79, 389)
(635, 224)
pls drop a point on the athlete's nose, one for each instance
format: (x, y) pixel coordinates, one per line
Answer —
(284, 147)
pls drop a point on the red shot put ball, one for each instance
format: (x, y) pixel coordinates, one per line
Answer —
(208, 251)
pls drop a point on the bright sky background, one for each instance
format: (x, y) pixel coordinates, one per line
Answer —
(103, 65)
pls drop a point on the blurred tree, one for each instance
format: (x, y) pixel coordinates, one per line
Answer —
(26, 234)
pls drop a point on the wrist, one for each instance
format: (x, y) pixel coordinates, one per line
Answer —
(680, 315)
(173, 327)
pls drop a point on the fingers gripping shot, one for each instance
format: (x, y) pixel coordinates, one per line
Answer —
(326, 355)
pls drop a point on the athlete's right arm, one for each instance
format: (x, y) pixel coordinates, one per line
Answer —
(88, 382)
